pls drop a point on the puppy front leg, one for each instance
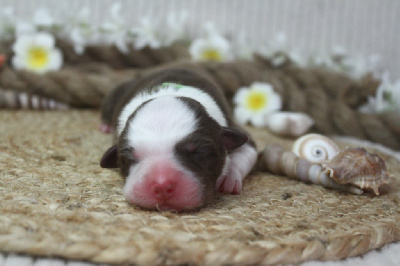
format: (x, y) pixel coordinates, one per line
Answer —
(241, 162)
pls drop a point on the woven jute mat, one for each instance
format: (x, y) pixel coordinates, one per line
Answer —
(55, 200)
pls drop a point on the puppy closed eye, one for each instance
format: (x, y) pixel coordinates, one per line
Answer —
(199, 152)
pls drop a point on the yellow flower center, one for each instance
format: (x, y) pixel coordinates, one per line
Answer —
(38, 57)
(256, 100)
(211, 54)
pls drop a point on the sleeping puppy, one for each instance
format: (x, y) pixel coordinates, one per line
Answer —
(176, 143)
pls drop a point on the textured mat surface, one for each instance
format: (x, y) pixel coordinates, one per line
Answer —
(56, 201)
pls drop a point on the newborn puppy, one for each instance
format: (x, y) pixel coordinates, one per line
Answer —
(175, 141)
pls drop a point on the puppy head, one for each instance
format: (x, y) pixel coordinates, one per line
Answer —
(171, 153)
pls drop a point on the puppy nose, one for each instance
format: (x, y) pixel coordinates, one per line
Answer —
(163, 188)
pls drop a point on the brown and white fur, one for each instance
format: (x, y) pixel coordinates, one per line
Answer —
(175, 147)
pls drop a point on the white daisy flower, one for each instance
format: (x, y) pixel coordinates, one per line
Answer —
(276, 49)
(358, 66)
(78, 36)
(279, 51)
(387, 97)
(242, 48)
(80, 31)
(175, 27)
(298, 58)
(36, 52)
(146, 34)
(214, 47)
(255, 102)
(115, 28)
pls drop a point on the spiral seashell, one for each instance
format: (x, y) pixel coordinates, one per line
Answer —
(315, 148)
(10, 99)
(280, 162)
(358, 167)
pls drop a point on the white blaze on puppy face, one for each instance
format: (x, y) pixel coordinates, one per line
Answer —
(160, 124)
(153, 133)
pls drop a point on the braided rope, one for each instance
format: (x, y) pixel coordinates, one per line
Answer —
(111, 56)
(331, 99)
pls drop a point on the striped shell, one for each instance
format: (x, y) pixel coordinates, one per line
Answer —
(315, 148)
(10, 99)
(358, 167)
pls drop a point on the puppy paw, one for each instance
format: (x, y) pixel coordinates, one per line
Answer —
(241, 162)
(229, 184)
(106, 129)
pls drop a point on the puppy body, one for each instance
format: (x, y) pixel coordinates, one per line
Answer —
(175, 141)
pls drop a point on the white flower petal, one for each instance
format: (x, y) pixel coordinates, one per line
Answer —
(196, 47)
(18, 62)
(242, 115)
(278, 60)
(369, 107)
(21, 45)
(109, 27)
(298, 58)
(121, 44)
(79, 48)
(146, 34)
(240, 95)
(213, 47)
(56, 59)
(44, 40)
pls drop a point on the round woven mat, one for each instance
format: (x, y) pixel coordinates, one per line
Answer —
(55, 200)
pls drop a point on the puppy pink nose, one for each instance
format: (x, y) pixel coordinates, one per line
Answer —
(163, 188)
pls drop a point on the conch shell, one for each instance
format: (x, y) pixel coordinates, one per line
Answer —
(278, 161)
(353, 170)
(358, 167)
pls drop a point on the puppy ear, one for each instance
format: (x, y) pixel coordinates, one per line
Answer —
(110, 158)
(233, 138)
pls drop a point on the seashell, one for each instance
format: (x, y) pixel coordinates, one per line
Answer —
(315, 148)
(289, 123)
(358, 167)
(10, 99)
(278, 161)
